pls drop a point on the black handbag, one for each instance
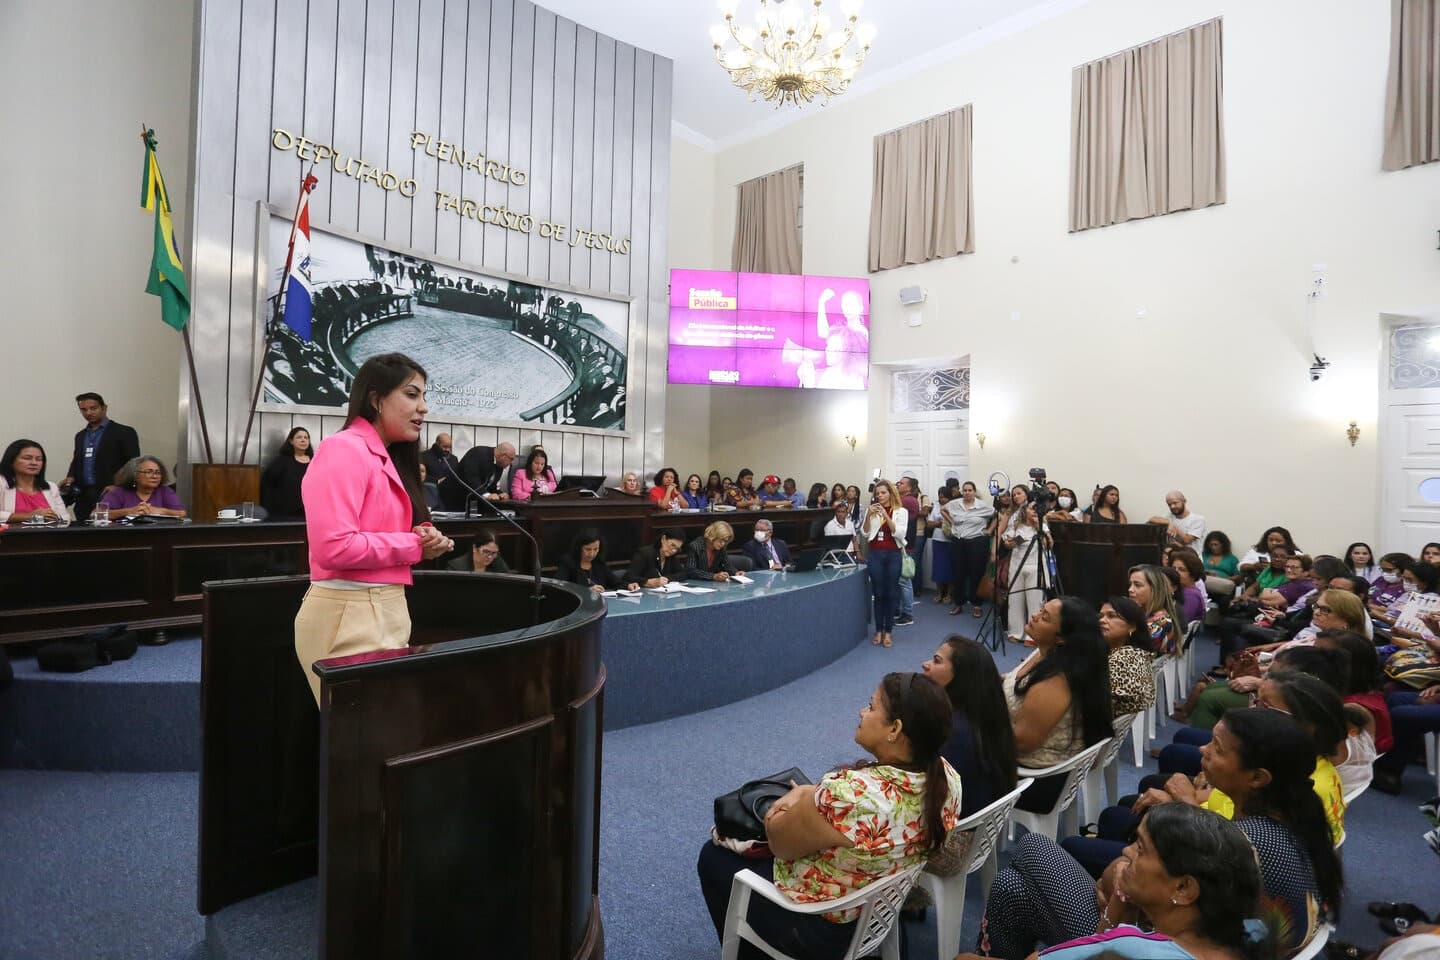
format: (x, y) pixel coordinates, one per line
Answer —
(740, 814)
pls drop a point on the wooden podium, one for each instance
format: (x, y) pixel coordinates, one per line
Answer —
(1095, 558)
(448, 793)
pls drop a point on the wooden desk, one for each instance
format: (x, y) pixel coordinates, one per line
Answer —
(64, 581)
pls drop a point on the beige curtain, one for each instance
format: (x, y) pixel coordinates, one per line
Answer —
(921, 203)
(767, 224)
(1147, 131)
(1412, 93)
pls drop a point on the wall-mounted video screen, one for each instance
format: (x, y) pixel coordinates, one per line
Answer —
(769, 330)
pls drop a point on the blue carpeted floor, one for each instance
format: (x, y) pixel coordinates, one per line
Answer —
(103, 865)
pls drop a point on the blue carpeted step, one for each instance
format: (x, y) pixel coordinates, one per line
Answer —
(136, 715)
(279, 925)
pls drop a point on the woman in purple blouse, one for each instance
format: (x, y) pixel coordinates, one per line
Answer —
(141, 489)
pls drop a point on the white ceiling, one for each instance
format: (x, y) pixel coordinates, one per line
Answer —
(710, 111)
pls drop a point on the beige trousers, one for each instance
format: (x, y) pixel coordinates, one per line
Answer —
(340, 623)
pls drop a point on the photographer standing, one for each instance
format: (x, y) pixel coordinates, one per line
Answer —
(884, 531)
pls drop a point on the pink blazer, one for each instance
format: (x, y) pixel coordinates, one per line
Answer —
(357, 513)
(522, 488)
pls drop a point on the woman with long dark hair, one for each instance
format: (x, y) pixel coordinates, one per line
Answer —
(1360, 560)
(535, 478)
(1190, 876)
(1059, 698)
(694, 493)
(714, 488)
(585, 564)
(365, 519)
(1132, 681)
(280, 483)
(859, 824)
(26, 495)
(1107, 507)
(1261, 762)
(981, 747)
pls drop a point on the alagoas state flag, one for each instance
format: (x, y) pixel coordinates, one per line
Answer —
(297, 281)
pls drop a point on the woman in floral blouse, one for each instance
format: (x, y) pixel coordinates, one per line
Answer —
(857, 825)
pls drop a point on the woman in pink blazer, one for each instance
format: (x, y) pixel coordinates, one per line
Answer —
(535, 480)
(366, 520)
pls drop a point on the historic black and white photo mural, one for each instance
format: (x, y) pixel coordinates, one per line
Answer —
(496, 349)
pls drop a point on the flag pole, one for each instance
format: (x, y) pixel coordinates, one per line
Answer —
(185, 335)
(279, 299)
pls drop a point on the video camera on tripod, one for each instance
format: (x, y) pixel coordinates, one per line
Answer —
(1040, 494)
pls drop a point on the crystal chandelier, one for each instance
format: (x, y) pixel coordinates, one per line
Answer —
(791, 55)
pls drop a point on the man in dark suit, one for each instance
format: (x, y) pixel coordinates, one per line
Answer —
(439, 459)
(486, 469)
(101, 449)
(766, 552)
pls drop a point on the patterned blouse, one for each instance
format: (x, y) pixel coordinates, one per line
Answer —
(1163, 633)
(1132, 684)
(881, 809)
(1289, 897)
(1122, 941)
(1061, 743)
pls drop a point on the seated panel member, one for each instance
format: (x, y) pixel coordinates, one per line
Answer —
(706, 553)
(743, 495)
(765, 551)
(772, 497)
(585, 564)
(484, 556)
(655, 565)
(665, 494)
(142, 490)
(484, 469)
(26, 493)
(535, 479)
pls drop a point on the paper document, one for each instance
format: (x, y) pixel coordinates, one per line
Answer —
(740, 578)
(621, 593)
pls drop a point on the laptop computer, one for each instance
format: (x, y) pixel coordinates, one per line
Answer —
(808, 560)
(579, 481)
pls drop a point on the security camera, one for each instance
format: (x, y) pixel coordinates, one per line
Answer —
(1318, 367)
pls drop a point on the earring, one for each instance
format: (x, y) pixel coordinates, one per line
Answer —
(1173, 902)
(891, 738)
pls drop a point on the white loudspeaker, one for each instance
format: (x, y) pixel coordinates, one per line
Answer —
(909, 296)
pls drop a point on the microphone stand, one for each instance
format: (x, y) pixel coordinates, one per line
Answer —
(534, 544)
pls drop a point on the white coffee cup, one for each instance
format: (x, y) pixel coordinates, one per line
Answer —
(229, 514)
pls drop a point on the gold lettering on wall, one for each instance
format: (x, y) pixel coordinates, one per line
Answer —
(342, 164)
(518, 221)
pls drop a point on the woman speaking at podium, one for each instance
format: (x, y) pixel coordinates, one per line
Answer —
(366, 520)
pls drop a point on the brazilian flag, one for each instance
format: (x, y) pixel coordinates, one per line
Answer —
(167, 274)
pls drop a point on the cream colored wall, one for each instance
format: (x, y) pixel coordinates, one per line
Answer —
(83, 76)
(1208, 390)
(692, 216)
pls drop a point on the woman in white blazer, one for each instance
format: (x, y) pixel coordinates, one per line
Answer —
(25, 493)
(884, 532)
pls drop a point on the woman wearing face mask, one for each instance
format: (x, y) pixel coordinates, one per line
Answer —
(1065, 510)
(969, 547)
(1421, 580)
(1386, 588)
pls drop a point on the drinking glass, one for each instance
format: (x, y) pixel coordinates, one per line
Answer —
(100, 516)
(247, 511)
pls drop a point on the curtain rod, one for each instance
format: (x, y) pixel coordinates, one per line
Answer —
(1146, 43)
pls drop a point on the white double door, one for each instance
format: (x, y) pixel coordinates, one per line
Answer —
(931, 448)
(1409, 437)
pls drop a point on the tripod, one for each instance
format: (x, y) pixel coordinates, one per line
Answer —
(991, 620)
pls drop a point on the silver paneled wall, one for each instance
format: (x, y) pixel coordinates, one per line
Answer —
(587, 117)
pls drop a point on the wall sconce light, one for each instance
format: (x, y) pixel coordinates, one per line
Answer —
(1353, 432)
(981, 437)
(851, 439)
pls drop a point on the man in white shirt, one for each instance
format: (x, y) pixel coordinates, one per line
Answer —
(1183, 528)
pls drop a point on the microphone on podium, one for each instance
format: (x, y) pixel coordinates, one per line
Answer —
(534, 545)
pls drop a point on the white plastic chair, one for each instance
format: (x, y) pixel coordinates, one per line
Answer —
(1159, 669)
(1432, 758)
(949, 892)
(1140, 734)
(879, 904)
(1049, 823)
(1315, 946)
(1107, 768)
